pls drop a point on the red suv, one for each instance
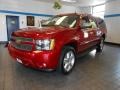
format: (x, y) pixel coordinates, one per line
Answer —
(57, 42)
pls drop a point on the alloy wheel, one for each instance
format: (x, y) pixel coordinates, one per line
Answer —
(69, 61)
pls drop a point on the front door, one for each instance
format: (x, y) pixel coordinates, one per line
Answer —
(85, 39)
(12, 24)
(86, 33)
(88, 28)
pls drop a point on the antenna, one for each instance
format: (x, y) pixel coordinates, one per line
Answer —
(75, 11)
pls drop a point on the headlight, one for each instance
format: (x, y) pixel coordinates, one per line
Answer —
(47, 44)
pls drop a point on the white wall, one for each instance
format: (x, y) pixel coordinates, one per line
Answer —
(3, 29)
(84, 9)
(28, 6)
(113, 23)
(33, 6)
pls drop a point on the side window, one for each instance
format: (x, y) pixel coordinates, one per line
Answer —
(93, 24)
(102, 24)
(84, 22)
(87, 23)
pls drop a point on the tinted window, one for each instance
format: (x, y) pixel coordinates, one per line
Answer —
(85, 23)
(101, 23)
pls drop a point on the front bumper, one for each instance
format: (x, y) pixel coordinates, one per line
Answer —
(35, 59)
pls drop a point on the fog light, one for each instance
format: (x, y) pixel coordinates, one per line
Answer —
(18, 60)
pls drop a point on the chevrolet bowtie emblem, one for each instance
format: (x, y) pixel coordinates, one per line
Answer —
(18, 41)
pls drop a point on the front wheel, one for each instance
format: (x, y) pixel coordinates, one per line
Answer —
(67, 60)
(100, 45)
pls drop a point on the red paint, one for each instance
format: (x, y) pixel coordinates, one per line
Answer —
(62, 36)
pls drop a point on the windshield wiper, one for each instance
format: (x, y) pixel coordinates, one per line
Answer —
(56, 25)
(62, 26)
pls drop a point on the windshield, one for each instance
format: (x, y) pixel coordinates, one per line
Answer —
(64, 21)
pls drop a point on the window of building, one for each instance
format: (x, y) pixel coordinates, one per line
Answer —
(98, 11)
(30, 21)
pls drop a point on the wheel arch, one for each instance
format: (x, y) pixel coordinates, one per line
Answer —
(72, 44)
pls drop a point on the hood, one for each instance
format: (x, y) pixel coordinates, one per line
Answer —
(39, 32)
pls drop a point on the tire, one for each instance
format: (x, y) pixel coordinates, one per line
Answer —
(67, 60)
(100, 45)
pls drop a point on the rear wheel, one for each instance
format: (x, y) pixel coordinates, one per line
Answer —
(100, 45)
(67, 60)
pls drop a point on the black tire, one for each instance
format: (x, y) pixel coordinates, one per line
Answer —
(100, 45)
(65, 51)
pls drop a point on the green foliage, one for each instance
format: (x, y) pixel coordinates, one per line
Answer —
(57, 5)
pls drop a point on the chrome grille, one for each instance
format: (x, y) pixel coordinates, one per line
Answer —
(26, 47)
(16, 43)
